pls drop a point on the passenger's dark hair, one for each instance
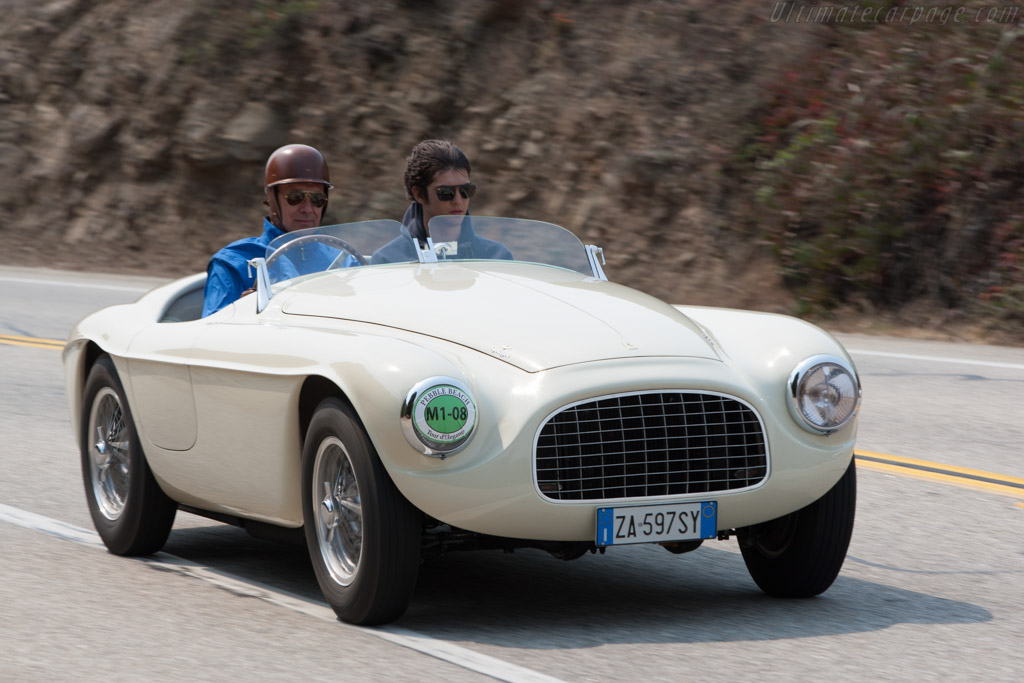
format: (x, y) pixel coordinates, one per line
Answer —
(429, 158)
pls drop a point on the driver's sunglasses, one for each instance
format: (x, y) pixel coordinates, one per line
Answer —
(446, 193)
(296, 197)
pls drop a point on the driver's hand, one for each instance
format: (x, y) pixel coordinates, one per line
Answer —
(247, 292)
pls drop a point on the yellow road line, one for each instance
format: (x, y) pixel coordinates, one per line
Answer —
(34, 342)
(946, 474)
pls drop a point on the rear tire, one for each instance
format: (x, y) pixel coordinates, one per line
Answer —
(363, 536)
(131, 513)
(800, 554)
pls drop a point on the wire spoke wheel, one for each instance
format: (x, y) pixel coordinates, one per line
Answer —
(130, 511)
(339, 516)
(110, 466)
(363, 536)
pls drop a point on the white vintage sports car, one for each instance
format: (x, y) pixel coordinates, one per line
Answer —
(391, 401)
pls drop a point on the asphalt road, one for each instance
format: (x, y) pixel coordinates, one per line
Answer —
(931, 589)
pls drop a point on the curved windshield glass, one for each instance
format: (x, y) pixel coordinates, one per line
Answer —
(327, 247)
(374, 243)
(475, 237)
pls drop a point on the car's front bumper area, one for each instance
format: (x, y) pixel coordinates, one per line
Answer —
(491, 488)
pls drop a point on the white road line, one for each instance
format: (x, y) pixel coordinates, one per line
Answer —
(937, 359)
(78, 285)
(439, 649)
(31, 520)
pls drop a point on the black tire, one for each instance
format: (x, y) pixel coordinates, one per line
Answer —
(132, 515)
(800, 555)
(363, 536)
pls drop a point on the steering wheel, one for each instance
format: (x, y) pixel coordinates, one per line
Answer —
(329, 240)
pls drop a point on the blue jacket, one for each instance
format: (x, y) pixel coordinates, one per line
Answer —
(227, 274)
(471, 245)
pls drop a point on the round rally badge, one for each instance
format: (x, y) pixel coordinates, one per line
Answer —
(442, 415)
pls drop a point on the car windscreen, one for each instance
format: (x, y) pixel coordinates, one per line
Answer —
(381, 242)
(519, 239)
(327, 247)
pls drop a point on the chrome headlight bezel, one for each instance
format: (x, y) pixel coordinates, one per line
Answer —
(848, 400)
(416, 422)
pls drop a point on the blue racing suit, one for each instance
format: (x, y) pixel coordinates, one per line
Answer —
(227, 274)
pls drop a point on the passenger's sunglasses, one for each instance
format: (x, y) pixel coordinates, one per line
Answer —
(446, 193)
(296, 197)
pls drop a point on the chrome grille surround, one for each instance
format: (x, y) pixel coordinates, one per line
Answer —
(650, 444)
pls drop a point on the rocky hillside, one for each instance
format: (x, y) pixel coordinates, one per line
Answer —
(719, 153)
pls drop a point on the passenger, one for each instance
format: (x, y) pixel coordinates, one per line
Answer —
(297, 183)
(437, 182)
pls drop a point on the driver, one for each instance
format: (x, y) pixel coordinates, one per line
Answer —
(437, 182)
(297, 183)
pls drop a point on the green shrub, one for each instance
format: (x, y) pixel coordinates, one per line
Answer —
(889, 168)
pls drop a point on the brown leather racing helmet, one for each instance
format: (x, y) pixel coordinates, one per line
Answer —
(294, 164)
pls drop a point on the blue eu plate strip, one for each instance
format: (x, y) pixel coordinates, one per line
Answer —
(709, 520)
(605, 521)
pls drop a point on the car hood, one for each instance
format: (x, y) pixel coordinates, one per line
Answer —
(534, 317)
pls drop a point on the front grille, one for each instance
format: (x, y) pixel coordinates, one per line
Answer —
(650, 444)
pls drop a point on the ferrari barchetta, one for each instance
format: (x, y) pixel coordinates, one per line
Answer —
(387, 400)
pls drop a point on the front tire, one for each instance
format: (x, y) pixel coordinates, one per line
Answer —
(799, 555)
(132, 515)
(363, 536)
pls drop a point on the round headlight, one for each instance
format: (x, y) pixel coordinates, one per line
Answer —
(824, 393)
(438, 416)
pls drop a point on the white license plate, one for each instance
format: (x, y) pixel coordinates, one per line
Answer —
(657, 523)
